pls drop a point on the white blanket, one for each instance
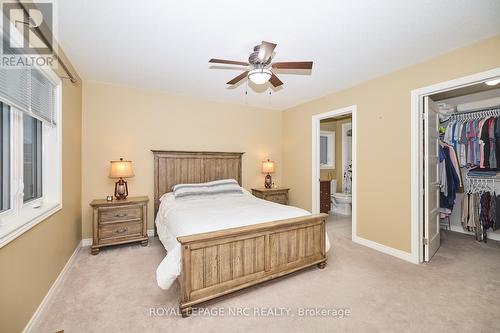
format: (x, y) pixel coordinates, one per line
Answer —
(188, 217)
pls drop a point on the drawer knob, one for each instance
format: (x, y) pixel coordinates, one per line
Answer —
(121, 215)
(121, 231)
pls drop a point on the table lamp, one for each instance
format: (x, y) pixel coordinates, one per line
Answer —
(119, 170)
(268, 168)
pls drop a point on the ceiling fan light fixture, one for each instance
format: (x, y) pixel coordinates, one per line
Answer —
(259, 75)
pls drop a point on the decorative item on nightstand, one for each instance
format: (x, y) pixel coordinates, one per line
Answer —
(268, 168)
(119, 170)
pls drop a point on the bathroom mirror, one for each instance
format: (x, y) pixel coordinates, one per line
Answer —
(327, 149)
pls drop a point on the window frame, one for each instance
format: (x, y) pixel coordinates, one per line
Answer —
(38, 160)
(11, 149)
(22, 216)
(330, 149)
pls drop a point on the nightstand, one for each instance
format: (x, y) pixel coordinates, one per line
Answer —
(278, 195)
(119, 222)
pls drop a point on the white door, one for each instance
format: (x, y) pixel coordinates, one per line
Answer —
(432, 239)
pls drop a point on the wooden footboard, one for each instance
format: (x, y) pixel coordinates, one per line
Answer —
(220, 262)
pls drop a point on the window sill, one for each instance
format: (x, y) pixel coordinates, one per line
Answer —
(14, 225)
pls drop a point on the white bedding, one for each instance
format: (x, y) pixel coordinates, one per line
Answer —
(187, 217)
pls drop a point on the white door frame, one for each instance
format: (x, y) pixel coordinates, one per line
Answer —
(417, 96)
(316, 119)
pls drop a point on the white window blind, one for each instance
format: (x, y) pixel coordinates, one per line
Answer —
(14, 87)
(30, 91)
(42, 96)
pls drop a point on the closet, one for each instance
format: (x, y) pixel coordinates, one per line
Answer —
(463, 168)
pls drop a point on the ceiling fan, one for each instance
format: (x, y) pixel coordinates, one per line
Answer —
(260, 65)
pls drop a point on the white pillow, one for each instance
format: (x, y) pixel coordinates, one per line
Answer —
(207, 184)
(210, 189)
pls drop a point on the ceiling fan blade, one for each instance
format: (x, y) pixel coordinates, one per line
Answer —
(293, 65)
(231, 62)
(238, 78)
(265, 51)
(275, 81)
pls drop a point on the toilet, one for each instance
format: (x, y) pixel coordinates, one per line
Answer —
(341, 202)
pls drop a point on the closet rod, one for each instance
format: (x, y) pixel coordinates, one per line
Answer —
(495, 178)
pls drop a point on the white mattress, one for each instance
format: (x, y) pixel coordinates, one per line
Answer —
(187, 217)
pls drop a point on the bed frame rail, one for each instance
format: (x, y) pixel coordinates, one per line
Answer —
(220, 262)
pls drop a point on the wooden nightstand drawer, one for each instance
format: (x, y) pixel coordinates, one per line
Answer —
(116, 214)
(277, 195)
(119, 230)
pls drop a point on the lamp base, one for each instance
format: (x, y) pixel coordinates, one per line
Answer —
(121, 189)
(268, 181)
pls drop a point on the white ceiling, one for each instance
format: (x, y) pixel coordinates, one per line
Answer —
(166, 45)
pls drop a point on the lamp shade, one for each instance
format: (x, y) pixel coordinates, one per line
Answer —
(268, 166)
(120, 169)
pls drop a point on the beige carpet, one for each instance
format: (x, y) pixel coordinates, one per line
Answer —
(459, 291)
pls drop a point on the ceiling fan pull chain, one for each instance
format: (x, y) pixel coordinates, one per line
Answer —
(246, 92)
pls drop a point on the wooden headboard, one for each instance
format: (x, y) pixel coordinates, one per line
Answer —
(181, 167)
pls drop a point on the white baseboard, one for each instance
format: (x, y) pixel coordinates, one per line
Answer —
(88, 241)
(53, 288)
(407, 256)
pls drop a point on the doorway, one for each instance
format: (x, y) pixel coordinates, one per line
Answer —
(428, 116)
(335, 168)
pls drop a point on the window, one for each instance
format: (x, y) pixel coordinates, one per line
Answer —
(32, 159)
(327, 150)
(30, 149)
(5, 157)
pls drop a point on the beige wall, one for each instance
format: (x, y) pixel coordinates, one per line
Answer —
(383, 146)
(30, 264)
(128, 122)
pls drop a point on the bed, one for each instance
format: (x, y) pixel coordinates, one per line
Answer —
(220, 245)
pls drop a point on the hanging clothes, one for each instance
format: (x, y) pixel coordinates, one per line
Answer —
(480, 211)
(492, 161)
(470, 144)
(492, 216)
(463, 146)
(475, 141)
(450, 181)
(454, 160)
(497, 140)
(496, 224)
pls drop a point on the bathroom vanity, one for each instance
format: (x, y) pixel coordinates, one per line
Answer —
(324, 196)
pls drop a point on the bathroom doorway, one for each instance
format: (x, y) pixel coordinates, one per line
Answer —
(334, 165)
